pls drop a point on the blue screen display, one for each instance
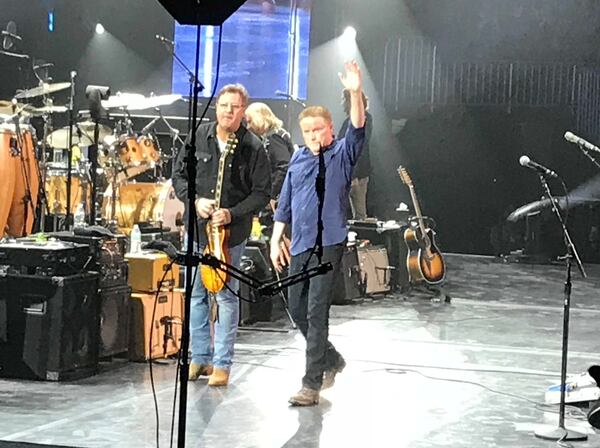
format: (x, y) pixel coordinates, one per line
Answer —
(264, 46)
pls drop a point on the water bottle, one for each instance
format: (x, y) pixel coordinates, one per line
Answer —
(135, 239)
(79, 217)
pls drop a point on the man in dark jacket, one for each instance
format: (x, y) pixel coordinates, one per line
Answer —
(245, 190)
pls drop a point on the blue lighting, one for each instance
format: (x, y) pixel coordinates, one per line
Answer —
(51, 21)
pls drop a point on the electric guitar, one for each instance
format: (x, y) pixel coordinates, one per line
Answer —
(424, 260)
(214, 279)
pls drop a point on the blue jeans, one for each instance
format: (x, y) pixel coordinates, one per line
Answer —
(225, 326)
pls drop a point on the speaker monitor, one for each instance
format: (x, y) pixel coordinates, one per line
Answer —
(49, 326)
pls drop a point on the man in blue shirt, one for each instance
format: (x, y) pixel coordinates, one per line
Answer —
(309, 300)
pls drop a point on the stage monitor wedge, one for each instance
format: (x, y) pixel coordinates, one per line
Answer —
(201, 12)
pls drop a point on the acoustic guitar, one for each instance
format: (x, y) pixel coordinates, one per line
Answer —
(214, 279)
(424, 260)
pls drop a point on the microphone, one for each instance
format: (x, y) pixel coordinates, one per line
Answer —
(164, 39)
(572, 138)
(149, 126)
(280, 93)
(541, 169)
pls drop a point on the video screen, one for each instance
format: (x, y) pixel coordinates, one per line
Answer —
(264, 46)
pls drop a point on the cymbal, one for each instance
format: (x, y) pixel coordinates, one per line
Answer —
(44, 89)
(136, 101)
(122, 100)
(83, 135)
(39, 111)
(155, 101)
(6, 107)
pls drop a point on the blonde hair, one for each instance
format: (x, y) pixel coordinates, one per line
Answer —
(314, 112)
(262, 118)
(234, 88)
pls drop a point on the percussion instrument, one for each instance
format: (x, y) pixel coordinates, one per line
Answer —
(142, 202)
(56, 189)
(19, 189)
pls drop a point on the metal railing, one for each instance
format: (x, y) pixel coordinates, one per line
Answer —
(416, 75)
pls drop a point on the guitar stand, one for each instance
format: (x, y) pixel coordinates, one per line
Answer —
(439, 292)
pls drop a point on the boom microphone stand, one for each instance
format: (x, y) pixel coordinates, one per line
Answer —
(561, 433)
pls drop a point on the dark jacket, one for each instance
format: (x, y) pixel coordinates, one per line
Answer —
(246, 181)
(363, 166)
(280, 148)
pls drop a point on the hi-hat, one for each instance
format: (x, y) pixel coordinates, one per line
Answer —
(44, 89)
(83, 135)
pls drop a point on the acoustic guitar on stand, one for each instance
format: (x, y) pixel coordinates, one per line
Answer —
(214, 279)
(424, 260)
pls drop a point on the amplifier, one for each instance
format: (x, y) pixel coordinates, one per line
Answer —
(107, 256)
(114, 320)
(146, 270)
(158, 338)
(49, 326)
(26, 256)
(374, 269)
(347, 280)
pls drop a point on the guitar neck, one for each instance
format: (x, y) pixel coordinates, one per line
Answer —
(413, 195)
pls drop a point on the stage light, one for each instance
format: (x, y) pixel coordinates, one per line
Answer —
(349, 33)
(99, 28)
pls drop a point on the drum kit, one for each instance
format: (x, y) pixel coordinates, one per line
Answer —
(35, 170)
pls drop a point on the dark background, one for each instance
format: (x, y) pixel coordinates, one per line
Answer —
(463, 159)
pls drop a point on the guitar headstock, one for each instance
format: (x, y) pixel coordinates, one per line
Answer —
(405, 176)
(232, 143)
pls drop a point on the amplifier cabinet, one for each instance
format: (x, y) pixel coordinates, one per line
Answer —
(114, 320)
(159, 337)
(49, 326)
(374, 269)
(347, 280)
(146, 270)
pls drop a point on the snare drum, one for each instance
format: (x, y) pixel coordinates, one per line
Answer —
(56, 190)
(137, 154)
(20, 189)
(153, 203)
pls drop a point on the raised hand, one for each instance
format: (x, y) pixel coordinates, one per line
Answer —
(351, 79)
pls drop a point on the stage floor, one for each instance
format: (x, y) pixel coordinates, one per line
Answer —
(471, 373)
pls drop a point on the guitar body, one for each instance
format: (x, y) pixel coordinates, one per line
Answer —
(214, 279)
(424, 262)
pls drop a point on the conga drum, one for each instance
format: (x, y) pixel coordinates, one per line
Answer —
(7, 174)
(26, 186)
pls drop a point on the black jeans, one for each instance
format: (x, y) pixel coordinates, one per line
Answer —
(309, 303)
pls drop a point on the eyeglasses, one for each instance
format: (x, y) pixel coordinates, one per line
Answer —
(229, 106)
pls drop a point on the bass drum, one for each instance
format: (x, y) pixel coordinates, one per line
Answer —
(143, 202)
(20, 188)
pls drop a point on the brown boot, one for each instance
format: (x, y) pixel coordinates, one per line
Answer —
(219, 377)
(197, 370)
(305, 397)
(329, 375)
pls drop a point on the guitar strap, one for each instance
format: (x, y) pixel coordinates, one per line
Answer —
(213, 311)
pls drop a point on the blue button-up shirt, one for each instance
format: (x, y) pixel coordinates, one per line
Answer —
(298, 203)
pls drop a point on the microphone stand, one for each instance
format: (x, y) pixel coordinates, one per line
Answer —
(68, 220)
(588, 155)
(190, 163)
(561, 433)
